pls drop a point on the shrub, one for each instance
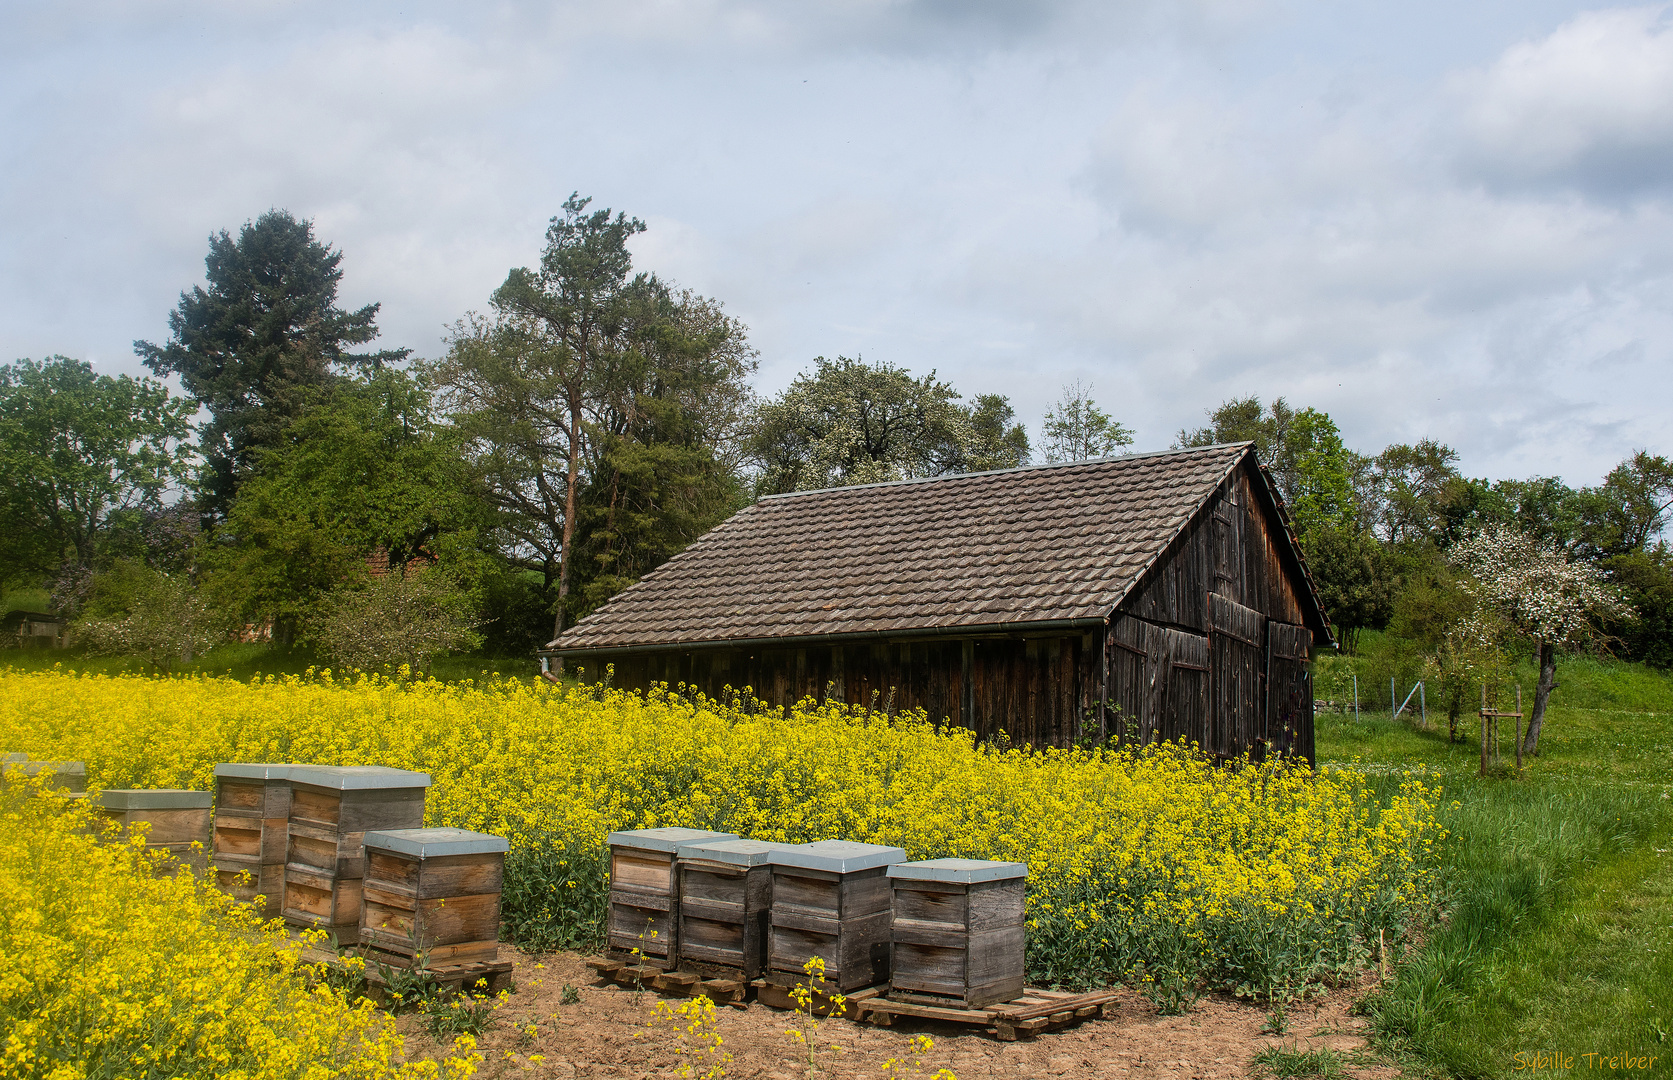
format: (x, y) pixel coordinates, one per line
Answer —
(401, 619)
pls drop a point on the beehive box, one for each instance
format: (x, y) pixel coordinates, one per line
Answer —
(177, 819)
(431, 897)
(957, 930)
(331, 811)
(67, 776)
(251, 836)
(645, 894)
(831, 900)
(726, 889)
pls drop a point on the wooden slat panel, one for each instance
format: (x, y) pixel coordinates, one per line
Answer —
(1237, 706)
(1227, 616)
(929, 905)
(1291, 642)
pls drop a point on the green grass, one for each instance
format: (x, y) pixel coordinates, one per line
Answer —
(26, 600)
(1292, 1061)
(1556, 928)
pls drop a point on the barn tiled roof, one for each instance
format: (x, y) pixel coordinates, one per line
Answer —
(1030, 545)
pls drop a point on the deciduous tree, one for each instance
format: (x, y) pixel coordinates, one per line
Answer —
(1543, 595)
(364, 472)
(849, 422)
(77, 452)
(1076, 429)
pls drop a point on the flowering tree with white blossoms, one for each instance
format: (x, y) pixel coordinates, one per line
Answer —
(1540, 594)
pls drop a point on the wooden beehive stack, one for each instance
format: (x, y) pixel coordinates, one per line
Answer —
(645, 893)
(957, 931)
(432, 898)
(252, 832)
(831, 900)
(177, 819)
(725, 889)
(68, 777)
(331, 811)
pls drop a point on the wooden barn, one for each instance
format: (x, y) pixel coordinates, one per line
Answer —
(1153, 596)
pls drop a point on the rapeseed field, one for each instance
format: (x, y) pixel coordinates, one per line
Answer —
(1154, 866)
(109, 969)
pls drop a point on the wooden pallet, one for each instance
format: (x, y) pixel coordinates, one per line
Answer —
(669, 983)
(1021, 1018)
(459, 978)
(777, 993)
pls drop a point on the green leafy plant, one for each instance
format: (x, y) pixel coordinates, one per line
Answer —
(1292, 1061)
(468, 1013)
(557, 894)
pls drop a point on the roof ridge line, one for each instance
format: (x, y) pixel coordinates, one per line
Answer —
(999, 472)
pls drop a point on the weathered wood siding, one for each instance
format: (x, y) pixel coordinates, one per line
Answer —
(1235, 547)
(1210, 648)
(1037, 690)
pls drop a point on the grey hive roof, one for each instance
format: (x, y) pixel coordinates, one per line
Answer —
(1028, 545)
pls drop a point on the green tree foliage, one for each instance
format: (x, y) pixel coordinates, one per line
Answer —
(138, 611)
(1076, 429)
(995, 424)
(260, 342)
(404, 618)
(1646, 579)
(79, 453)
(849, 422)
(1321, 495)
(665, 443)
(364, 472)
(1542, 507)
(1410, 487)
(1247, 420)
(1629, 509)
(596, 398)
(1352, 575)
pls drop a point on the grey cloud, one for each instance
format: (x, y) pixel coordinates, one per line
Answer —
(1588, 107)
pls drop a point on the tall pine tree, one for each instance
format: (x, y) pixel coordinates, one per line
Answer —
(265, 339)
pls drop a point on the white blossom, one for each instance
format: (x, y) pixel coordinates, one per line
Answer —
(1536, 588)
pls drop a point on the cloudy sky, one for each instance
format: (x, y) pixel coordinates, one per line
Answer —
(1425, 218)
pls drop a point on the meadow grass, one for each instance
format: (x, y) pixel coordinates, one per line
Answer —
(1557, 887)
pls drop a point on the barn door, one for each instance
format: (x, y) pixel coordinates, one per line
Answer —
(1158, 677)
(1237, 670)
(1290, 690)
(1185, 705)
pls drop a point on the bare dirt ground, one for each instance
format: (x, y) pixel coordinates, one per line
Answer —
(610, 1034)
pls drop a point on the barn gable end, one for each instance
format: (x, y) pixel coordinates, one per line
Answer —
(1213, 644)
(1053, 604)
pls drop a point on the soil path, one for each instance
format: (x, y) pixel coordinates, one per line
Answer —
(610, 1034)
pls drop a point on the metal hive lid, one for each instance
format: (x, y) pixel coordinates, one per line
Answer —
(736, 852)
(436, 843)
(266, 770)
(357, 777)
(668, 839)
(839, 856)
(153, 799)
(967, 871)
